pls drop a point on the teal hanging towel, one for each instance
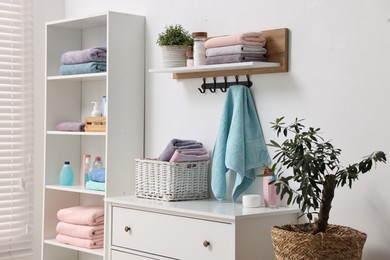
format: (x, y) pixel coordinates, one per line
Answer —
(240, 145)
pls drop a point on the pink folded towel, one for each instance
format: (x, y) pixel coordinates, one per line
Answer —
(82, 215)
(80, 231)
(81, 242)
(190, 155)
(250, 38)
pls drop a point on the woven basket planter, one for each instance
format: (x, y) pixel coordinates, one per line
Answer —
(174, 56)
(291, 242)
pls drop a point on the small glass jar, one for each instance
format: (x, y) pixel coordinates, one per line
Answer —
(199, 49)
(190, 58)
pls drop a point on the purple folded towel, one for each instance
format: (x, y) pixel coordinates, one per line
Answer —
(84, 56)
(190, 155)
(71, 126)
(175, 144)
(222, 59)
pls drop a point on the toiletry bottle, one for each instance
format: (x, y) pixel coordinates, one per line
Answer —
(66, 175)
(97, 163)
(85, 169)
(95, 110)
(104, 100)
(273, 198)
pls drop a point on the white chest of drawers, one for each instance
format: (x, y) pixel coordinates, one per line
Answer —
(190, 230)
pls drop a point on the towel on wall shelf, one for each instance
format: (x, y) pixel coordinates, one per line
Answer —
(98, 175)
(240, 144)
(70, 126)
(82, 215)
(249, 38)
(236, 49)
(84, 56)
(233, 58)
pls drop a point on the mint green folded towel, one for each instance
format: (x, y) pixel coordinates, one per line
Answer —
(240, 144)
(94, 185)
(82, 68)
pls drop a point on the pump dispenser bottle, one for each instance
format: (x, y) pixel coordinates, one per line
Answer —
(95, 111)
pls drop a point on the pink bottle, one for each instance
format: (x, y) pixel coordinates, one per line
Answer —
(271, 199)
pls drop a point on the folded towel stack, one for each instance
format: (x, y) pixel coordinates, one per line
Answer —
(81, 226)
(235, 48)
(184, 151)
(97, 179)
(71, 126)
(90, 60)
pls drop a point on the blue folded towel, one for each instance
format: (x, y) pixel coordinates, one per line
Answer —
(82, 68)
(98, 175)
(240, 144)
(94, 185)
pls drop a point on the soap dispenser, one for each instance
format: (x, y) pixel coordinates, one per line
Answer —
(95, 112)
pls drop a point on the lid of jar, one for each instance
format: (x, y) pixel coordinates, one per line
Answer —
(199, 34)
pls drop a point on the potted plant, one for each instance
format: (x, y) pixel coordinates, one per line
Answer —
(316, 172)
(174, 41)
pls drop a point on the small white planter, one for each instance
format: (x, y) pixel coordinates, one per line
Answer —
(174, 56)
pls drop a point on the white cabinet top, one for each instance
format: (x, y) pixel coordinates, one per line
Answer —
(213, 209)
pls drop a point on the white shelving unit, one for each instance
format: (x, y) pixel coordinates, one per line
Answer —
(68, 98)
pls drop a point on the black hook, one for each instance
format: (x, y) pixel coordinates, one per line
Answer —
(203, 89)
(236, 79)
(223, 89)
(215, 85)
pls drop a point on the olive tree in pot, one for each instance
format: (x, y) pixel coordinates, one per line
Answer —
(174, 42)
(316, 172)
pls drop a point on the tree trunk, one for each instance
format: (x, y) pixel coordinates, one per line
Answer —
(326, 204)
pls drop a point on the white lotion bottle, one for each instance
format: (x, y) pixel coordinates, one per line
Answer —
(95, 111)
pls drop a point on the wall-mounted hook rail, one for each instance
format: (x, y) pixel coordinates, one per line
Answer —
(223, 86)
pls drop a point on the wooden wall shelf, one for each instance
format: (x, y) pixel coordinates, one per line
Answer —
(277, 61)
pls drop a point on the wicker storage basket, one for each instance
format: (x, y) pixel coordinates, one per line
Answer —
(170, 181)
(339, 243)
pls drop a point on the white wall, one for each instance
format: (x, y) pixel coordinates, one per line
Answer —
(338, 80)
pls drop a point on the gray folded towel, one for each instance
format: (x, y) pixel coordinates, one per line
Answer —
(70, 126)
(222, 59)
(175, 144)
(236, 49)
(84, 56)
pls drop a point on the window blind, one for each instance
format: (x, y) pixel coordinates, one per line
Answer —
(16, 125)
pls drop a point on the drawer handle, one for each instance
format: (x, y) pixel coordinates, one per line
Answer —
(127, 229)
(206, 243)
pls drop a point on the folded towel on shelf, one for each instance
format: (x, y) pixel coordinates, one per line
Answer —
(81, 242)
(235, 49)
(84, 56)
(70, 126)
(82, 215)
(175, 144)
(94, 185)
(82, 68)
(249, 38)
(98, 175)
(240, 144)
(80, 231)
(222, 59)
(190, 155)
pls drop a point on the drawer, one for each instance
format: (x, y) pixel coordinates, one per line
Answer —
(172, 236)
(119, 255)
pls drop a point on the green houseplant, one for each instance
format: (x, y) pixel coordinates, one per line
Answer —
(316, 172)
(174, 41)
